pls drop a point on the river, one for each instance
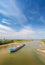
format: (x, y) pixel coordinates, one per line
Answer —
(28, 55)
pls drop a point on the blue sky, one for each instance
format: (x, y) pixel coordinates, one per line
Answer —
(22, 19)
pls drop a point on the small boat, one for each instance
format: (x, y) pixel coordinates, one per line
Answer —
(14, 49)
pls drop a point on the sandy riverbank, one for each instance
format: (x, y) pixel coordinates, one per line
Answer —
(40, 50)
(5, 45)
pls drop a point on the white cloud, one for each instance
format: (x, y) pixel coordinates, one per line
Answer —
(5, 27)
(12, 10)
(41, 32)
(25, 33)
(27, 30)
(2, 31)
(3, 12)
(6, 21)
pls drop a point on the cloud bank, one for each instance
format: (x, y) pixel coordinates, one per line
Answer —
(21, 19)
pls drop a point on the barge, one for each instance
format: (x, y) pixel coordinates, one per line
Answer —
(14, 49)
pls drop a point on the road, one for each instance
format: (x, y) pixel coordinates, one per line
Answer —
(28, 55)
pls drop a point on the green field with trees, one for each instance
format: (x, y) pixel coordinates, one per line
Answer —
(6, 41)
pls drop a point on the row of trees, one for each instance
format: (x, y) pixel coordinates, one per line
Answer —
(5, 42)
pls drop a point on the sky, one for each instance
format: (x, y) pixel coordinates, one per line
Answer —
(22, 19)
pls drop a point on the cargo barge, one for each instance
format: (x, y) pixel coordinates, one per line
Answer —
(14, 49)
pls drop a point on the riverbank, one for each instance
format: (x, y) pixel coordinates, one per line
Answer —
(42, 42)
(14, 42)
(5, 45)
(41, 50)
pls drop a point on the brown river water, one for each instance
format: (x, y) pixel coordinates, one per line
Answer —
(28, 55)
